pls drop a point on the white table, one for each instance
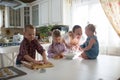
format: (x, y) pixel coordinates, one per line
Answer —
(103, 68)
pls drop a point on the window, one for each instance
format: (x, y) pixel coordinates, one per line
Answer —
(93, 13)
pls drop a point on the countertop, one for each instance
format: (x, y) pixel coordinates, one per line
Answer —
(103, 68)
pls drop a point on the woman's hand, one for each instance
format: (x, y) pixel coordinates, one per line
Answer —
(81, 49)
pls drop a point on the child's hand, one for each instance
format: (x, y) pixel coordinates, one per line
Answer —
(45, 61)
(38, 62)
(58, 56)
(61, 54)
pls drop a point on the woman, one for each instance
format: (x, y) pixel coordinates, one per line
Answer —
(72, 40)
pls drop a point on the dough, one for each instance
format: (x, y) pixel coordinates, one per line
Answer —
(7, 71)
(58, 57)
(38, 66)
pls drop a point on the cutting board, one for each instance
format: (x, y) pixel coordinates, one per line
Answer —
(30, 65)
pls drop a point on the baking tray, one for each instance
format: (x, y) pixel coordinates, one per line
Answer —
(16, 71)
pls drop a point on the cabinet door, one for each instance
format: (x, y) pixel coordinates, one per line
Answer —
(56, 11)
(14, 17)
(35, 15)
(44, 13)
(26, 15)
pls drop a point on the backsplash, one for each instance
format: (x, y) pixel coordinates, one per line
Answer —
(9, 32)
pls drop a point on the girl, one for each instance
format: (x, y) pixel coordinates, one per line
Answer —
(91, 46)
(57, 48)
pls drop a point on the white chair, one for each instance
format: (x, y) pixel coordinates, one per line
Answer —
(8, 55)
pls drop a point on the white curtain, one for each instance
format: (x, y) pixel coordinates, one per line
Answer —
(92, 12)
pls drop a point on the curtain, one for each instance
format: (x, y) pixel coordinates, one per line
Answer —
(112, 11)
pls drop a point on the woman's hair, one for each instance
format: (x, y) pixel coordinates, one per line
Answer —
(76, 27)
(29, 26)
(56, 33)
(91, 27)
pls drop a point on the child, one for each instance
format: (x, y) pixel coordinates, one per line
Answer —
(57, 48)
(28, 47)
(74, 38)
(91, 47)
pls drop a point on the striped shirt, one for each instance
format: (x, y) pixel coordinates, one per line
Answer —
(56, 48)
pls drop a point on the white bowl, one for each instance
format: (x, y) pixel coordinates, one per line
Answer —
(69, 56)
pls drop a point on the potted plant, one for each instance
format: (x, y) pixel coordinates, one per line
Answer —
(45, 31)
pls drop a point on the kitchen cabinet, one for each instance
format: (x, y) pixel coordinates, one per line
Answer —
(26, 15)
(50, 11)
(12, 17)
(39, 13)
(17, 18)
(56, 11)
(44, 12)
(35, 15)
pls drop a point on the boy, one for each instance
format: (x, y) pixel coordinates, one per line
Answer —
(28, 47)
(57, 49)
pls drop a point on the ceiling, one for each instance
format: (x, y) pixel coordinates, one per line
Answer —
(27, 1)
(15, 4)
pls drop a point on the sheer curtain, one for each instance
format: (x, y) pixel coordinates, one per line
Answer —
(112, 11)
(92, 12)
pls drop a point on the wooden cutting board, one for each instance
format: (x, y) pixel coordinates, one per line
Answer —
(30, 65)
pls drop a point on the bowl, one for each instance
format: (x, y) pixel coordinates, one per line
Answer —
(69, 56)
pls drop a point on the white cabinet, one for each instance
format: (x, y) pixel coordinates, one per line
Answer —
(13, 17)
(26, 15)
(56, 11)
(44, 13)
(50, 11)
(38, 13)
(17, 18)
(35, 15)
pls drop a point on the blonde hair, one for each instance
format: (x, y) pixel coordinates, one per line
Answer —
(56, 33)
(91, 27)
(28, 27)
